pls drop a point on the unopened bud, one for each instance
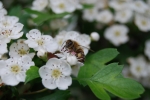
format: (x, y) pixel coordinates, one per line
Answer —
(72, 60)
(41, 53)
(95, 36)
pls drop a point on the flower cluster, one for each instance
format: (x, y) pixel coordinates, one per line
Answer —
(57, 6)
(124, 11)
(57, 71)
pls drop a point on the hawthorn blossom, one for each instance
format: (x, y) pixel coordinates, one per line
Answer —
(37, 41)
(116, 34)
(142, 22)
(119, 4)
(60, 6)
(138, 66)
(10, 28)
(56, 73)
(13, 70)
(123, 16)
(20, 49)
(104, 16)
(39, 5)
(139, 6)
(90, 14)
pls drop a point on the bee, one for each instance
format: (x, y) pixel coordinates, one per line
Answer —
(74, 48)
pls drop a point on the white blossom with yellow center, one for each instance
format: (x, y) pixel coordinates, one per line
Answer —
(104, 17)
(138, 66)
(61, 6)
(123, 16)
(13, 70)
(20, 49)
(117, 34)
(142, 22)
(37, 41)
(56, 73)
(139, 6)
(10, 28)
(90, 14)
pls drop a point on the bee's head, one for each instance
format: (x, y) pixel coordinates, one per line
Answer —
(69, 43)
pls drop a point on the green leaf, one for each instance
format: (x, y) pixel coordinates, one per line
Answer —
(41, 17)
(32, 73)
(104, 78)
(87, 6)
(59, 95)
(95, 62)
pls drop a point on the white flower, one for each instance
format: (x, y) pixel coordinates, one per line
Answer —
(56, 73)
(123, 16)
(8, 21)
(2, 10)
(90, 14)
(143, 23)
(95, 36)
(38, 41)
(118, 4)
(117, 34)
(3, 48)
(147, 48)
(20, 49)
(104, 16)
(60, 6)
(39, 5)
(139, 6)
(58, 24)
(10, 28)
(13, 70)
(138, 66)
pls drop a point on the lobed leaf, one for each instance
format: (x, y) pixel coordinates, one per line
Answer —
(101, 78)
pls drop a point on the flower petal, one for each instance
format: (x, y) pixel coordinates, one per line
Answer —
(9, 79)
(21, 76)
(49, 83)
(63, 83)
(45, 72)
(66, 69)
